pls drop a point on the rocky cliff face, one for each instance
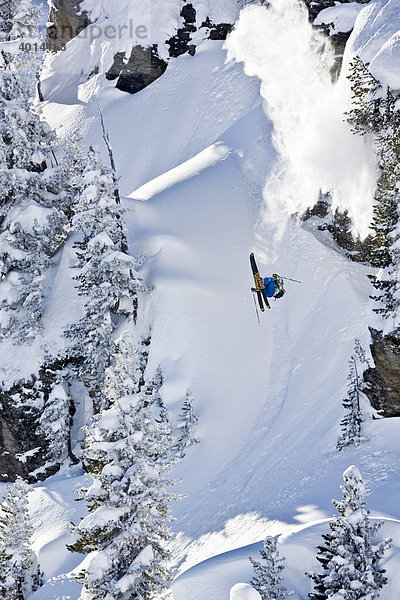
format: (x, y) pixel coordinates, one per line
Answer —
(143, 66)
(21, 450)
(23, 446)
(67, 21)
(383, 381)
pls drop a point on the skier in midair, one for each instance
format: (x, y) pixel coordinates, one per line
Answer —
(273, 286)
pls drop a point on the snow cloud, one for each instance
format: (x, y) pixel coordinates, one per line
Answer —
(315, 148)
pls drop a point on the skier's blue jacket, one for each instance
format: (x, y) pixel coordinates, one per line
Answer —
(269, 287)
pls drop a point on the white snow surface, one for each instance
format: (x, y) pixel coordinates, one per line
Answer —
(217, 577)
(340, 17)
(376, 39)
(194, 151)
(243, 591)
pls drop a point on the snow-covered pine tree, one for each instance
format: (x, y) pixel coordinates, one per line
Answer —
(26, 17)
(129, 500)
(32, 187)
(19, 569)
(377, 114)
(18, 19)
(129, 359)
(55, 424)
(106, 275)
(26, 142)
(351, 422)
(350, 556)
(7, 12)
(186, 423)
(385, 247)
(268, 578)
(366, 114)
(31, 237)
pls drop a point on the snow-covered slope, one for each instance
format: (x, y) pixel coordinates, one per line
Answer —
(183, 112)
(376, 39)
(193, 153)
(216, 577)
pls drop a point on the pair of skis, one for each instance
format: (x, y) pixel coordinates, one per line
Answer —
(259, 283)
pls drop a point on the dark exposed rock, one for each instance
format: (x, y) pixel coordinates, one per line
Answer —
(217, 32)
(143, 67)
(67, 21)
(189, 14)
(339, 41)
(383, 381)
(94, 71)
(220, 31)
(180, 43)
(321, 218)
(21, 407)
(14, 440)
(117, 66)
(18, 423)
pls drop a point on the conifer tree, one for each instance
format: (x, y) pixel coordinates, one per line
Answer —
(351, 422)
(26, 142)
(106, 275)
(97, 208)
(126, 373)
(377, 114)
(55, 425)
(186, 423)
(32, 187)
(18, 19)
(385, 252)
(7, 12)
(268, 578)
(19, 571)
(350, 556)
(367, 112)
(129, 502)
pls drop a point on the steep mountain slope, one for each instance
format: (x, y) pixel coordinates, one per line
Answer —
(193, 152)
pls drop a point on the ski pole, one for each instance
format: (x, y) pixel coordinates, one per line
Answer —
(255, 304)
(296, 280)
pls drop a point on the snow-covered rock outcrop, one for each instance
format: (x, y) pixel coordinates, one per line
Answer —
(376, 40)
(135, 40)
